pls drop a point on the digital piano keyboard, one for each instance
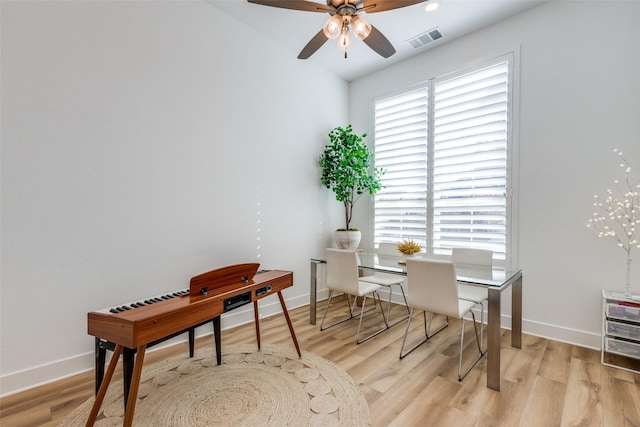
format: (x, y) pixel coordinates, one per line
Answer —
(130, 328)
(102, 345)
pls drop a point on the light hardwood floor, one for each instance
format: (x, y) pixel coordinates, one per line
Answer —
(546, 383)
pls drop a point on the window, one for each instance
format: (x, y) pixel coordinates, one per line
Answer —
(445, 148)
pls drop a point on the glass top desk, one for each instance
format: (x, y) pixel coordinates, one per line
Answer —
(495, 279)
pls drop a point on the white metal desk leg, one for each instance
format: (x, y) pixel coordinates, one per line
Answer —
(493, 338)
(516, 313)
(313, 292)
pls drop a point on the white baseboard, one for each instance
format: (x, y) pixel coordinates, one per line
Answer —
(544, 330)
(567, 335)
(39, 375)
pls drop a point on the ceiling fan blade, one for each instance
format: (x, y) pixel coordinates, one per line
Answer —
(378, 42)
(303, 5)
(314, 44)
(372, 6)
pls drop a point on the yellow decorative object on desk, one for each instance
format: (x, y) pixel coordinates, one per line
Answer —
(409, 247)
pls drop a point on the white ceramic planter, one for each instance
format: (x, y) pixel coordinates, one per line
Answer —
(347, 239)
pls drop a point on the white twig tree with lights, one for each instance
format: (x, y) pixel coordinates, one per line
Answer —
(617, 215)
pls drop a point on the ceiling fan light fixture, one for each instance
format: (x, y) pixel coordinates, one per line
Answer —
(332, 27)
(361, 28)
(342, 15)
(344, 41)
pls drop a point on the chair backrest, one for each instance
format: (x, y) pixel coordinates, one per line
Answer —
(471, 256)
(342, 270)
(388, 249)
(432, 286)
(388, 254)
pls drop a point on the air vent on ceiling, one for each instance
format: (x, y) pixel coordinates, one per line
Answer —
(425, 38)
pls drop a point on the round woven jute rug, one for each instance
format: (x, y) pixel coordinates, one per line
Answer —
(268, 387)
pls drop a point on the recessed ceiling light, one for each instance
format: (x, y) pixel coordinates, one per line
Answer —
(431, 6)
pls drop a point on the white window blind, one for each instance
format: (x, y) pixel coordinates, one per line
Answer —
(470, 161)
(401, 150)
(458, 197)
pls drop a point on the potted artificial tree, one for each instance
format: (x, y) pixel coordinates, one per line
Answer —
(346, 170)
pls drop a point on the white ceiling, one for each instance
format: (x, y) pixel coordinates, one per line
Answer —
(294, 29)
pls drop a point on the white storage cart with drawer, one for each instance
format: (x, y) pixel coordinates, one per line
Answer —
(620, 332)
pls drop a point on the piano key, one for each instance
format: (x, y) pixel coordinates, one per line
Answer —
(145, 302)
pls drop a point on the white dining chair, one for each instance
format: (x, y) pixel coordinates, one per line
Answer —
(476, 294)
(342, 276)
(432, 288)
(388, 280)
(472, 256)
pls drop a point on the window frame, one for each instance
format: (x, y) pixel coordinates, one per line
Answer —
(512, 148)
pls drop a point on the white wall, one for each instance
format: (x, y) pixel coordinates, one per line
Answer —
(144, 143)
(579, 98)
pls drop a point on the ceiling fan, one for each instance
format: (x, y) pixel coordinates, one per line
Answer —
(344, 13)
